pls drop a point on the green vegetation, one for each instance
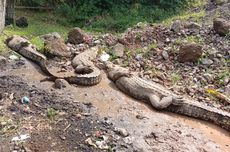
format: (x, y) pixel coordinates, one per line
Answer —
(222, 75)
(51, 114)
(118, 15)
(6, 125)
(175, 78)
(97, 16)
(40, 23)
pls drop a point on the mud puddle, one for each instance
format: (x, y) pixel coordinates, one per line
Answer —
(149, 130)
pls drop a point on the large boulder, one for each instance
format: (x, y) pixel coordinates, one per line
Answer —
(221, 26)
(190, 52)
(21, 22)
(55, 46)
(77, 36)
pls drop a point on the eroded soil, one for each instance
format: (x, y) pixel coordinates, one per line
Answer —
(92, 112)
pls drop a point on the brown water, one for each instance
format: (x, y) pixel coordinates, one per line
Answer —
(113, 104)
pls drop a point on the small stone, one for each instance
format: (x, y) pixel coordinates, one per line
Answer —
(208, 77)
(139, 57)
(97, 42)
(167, 40)
(117, 61)
(206, 61)
(176, 26)
(61, 83)
(219, 55)
(165, 55)
(123, 132)
(119, 50)
(2, 60)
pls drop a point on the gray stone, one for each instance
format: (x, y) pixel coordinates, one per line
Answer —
(193, 25)
(139, 57)
(61, 83)
(2, 60)
(176, 26)
(51, 35)
(208, 77)
(123, 132)
(206, 61)
(165, 55)
(119, 50)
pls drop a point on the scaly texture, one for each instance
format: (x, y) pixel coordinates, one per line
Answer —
(26, 49)
(161, 98)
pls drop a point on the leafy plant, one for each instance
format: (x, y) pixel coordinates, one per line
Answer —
(175, 78)
(51, 113)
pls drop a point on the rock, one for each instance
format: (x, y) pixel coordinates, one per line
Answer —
(117, 61)
(190, 52)
(56, 47)
(208, 77)
(221, 26)
(123, 132)
(119, 50)
(206, 61)
(176, 26)
(61, 83)
(220, 2)
(52, 36)
(77, 36)
(2, 60)
(21, 22)
(165, 55)
(110, 40)
(193, 25)
(139, 57)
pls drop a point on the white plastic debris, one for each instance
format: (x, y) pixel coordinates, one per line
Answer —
(102, 145)
(21, 137)
(13, 57)
(104, 57)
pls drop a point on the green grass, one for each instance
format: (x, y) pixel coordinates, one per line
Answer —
(40, 23)
(175, 78)
(184, 16)
(118, 20)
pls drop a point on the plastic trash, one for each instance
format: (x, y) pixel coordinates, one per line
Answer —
(13, 57)
(21, 137)
(104, 57)
(25, 100)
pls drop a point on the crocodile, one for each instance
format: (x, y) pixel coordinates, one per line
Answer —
(22, 46)
(162, 99)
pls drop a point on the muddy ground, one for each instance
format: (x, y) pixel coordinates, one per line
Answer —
(68, 119)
